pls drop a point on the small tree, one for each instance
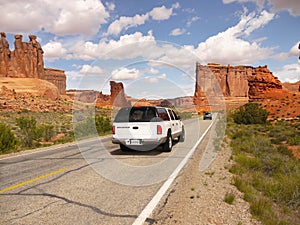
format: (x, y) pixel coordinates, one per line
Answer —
(29, 130)
(251, 113)
(8, 141)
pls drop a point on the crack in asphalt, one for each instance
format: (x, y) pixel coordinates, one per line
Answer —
(69, 201)
(30, 213)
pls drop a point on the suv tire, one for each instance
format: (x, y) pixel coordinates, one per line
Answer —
(167, 147)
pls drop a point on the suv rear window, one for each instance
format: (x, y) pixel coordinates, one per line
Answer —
(136, 114)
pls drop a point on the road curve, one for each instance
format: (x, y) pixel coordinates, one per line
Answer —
(79, 183)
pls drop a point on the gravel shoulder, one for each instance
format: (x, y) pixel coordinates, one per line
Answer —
(197, 197)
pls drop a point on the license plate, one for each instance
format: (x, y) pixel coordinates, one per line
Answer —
(134, 142)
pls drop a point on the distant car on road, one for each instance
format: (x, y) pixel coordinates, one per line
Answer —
(146, 127)
(207, 116)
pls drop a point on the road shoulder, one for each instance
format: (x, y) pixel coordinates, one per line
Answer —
(197, 197)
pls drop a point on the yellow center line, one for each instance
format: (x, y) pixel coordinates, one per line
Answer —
(32, 180)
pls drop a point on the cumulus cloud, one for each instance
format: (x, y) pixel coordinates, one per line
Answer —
(177, 32)
(128, 46)
(71, 17)
(258, 2)
(95, 70)
(289, 73)
(229, 47)
(126, 74)
(125, 22)
(163, 13)
(110, 5)
(156, 79)
(292, 6)
(54, 50)
(294, 52)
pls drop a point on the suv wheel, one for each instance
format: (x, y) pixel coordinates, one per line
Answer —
(168, 144)
(181, 137)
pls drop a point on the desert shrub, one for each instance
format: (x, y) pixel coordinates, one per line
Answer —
(85, 128)
(8, 141)
(250, 113)
(103, 125)
(266, 171)
(47, 131)
(29, 130)
(229, 198)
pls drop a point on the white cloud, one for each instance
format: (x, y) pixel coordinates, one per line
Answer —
(258, 22)
(126, 74)
(292, 6)
(229, 47)
(54, 50)
(156, 79)
(128, 46)
(87, 69)
(153, 71)
(163, 13)
(71, 17)
(192, 20)
(110, 5)
(125, 22)
(294, 52)
(177, 32)
(289, 73)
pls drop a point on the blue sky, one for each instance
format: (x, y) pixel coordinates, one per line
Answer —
(152, 46)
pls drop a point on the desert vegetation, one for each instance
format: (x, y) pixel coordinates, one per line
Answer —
(266, 168)
(27, 130)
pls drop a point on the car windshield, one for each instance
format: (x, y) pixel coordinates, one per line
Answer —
(136, 114)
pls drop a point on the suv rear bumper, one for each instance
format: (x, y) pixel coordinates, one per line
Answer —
(149, 141)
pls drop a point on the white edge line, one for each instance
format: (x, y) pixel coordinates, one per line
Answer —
(158, 196)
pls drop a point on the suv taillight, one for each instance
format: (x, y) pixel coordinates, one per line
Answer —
(159, 129)
(113, 129)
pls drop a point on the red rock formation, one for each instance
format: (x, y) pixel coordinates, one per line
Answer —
(56, 77)
(117, 94)
(237, 84)
(233, 80)
(4, 55)
(87, 96)
(294, 87)
(26, 61)
(103, 100)
(262, 81)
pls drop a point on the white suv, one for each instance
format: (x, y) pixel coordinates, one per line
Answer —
(146, 127)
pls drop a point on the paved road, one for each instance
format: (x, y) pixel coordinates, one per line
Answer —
(92, 182)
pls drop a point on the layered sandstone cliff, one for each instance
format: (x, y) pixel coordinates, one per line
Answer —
(233, 82)
(56, 77)
(26, 61)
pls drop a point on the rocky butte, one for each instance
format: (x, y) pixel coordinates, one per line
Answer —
(26, 61)
(238, 85)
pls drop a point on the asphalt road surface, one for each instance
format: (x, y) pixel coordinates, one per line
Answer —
(90, 182)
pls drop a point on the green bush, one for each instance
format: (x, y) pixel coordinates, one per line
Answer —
(266, 170)
(251, 113)
(8, 141)
(29, 130)
(103, 125)
(47, 131)
(90, 126)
